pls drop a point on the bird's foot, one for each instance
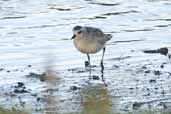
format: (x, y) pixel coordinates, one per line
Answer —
(87, 64)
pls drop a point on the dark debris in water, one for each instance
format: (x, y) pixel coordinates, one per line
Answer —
(162, 66)
(21, 91)
(1, 69)
(33, 75)
(162, 51)
(8, 71)
(152, 81)
(74, 88)
(20, 88)
(147, 71)
(29, 65)
(115, 66)
(158, 102)
(95, 77)
(136, 105)
(156, 72)
(20, 84)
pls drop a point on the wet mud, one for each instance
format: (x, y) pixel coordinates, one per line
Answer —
(41, 71)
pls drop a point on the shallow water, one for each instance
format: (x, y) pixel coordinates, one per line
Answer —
(35, 36)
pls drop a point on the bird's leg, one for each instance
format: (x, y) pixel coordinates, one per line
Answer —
(102, 59)
(87, 63)
(103, 80)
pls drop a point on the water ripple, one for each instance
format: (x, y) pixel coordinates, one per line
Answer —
(136, 30)
(105, 15)
(105, 4)
(63, 7)
(120, 13)
(43, 26)
(13, 17)
(95, 17)
(167, 19)
(163, 25)
(124, 41)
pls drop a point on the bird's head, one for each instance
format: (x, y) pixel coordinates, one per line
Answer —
(77, 31)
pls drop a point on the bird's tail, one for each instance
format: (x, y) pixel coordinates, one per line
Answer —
(108, 36)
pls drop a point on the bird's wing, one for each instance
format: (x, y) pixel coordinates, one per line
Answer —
(95, 32)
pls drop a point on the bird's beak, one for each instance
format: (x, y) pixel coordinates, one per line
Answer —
(73, 36)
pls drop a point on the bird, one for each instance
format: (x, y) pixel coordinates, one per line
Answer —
(90, 40)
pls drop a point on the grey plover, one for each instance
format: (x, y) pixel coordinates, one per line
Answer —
(90, 40)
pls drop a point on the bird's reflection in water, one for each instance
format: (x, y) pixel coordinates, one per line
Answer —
(51, 101)
(101, 74)
(95, 99)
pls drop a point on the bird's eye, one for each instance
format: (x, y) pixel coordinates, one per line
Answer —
(79, 32)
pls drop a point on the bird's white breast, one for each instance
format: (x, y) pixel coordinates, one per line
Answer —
(86, 45)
